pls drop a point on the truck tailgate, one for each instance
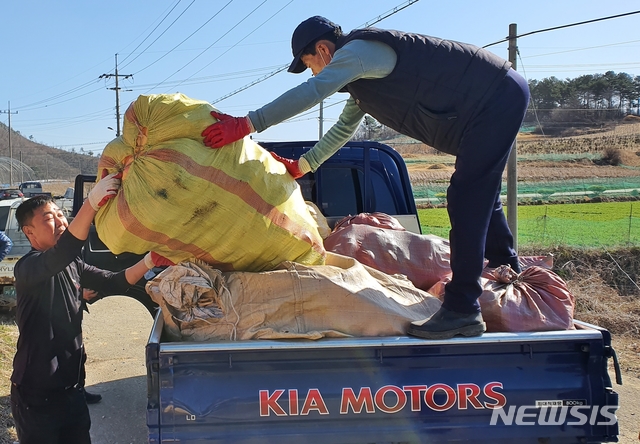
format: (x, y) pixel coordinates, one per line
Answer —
(375, 390)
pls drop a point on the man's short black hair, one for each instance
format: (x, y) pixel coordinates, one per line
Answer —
(332, 36)
(25, 211)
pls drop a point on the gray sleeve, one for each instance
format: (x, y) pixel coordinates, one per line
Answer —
(337, 136)
(357, 59)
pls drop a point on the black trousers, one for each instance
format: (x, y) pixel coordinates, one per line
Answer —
(52, 417)
(479, 228)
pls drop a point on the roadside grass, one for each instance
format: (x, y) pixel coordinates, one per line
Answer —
(8, 338)
(587, 225)
(605, 283)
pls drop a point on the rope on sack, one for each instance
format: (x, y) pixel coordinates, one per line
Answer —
(504, 274)
(226, 299)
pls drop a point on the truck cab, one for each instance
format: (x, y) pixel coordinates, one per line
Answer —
(30, 189)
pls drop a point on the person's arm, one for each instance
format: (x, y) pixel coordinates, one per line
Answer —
(35, 268)
(111, 283)
(334, 139)
(357, 59)
(105, 189)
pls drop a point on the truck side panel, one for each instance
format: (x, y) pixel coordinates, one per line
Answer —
(378, 389)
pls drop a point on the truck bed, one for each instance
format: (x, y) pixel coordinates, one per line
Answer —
(380, 390)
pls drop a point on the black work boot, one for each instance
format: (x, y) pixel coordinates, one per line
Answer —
(91, 398)
(445, 324)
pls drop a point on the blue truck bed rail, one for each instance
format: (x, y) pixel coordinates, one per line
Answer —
(380, 390)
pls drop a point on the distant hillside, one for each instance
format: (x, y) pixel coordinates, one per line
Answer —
(46, 162)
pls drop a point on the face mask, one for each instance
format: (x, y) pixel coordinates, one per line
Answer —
(325, 63)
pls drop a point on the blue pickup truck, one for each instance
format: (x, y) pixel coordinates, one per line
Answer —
(545, 387)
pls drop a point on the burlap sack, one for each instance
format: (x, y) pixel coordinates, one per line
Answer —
(235, 207)
(342, 298)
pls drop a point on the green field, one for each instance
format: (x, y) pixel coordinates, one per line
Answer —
(590, 187)
(589, 225)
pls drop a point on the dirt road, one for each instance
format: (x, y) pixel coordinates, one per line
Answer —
(115, 334)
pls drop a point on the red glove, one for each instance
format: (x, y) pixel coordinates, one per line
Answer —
(290, 164)
(153, 259)
(226, 130)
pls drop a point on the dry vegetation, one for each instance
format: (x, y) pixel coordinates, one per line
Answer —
(606, 287)
(8, 337)
(45, 161)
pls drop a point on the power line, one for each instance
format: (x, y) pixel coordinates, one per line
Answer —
(283, 67)
(31, 106)
(563, 26)
(389, 13)
(209, 79)
(216, 41)
(156, 39)
(238, 42)
(188, 37)
(152, 31)
(249, 85)
(582, 49)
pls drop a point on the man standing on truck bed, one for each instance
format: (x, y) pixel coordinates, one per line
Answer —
(47, 401)
(453, 96)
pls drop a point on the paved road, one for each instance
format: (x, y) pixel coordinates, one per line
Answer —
(116, 332)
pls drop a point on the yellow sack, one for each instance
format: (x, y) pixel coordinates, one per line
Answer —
(235, 208)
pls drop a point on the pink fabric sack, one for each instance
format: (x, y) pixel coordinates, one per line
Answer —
(535, 300)
(424, 259)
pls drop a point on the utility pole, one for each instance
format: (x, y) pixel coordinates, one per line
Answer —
(8, 111)
(117, 90)
(321, 120)
(512, 163)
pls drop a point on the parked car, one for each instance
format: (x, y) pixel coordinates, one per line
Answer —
(10, 193)
(30, 189)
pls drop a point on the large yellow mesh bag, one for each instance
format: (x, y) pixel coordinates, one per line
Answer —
(235, 208)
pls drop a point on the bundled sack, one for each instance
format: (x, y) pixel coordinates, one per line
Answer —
(235, 208)
(342, 298)
(537, 299)
(320, 220)
(375, 219)
(424, 259)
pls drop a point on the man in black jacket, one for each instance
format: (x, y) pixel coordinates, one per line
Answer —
(453, 96)
(47, 400)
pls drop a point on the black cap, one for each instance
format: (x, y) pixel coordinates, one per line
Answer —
(305, 33)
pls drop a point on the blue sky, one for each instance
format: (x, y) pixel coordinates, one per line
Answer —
(54, 52)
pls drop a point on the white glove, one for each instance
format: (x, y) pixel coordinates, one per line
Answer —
(107, 188)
